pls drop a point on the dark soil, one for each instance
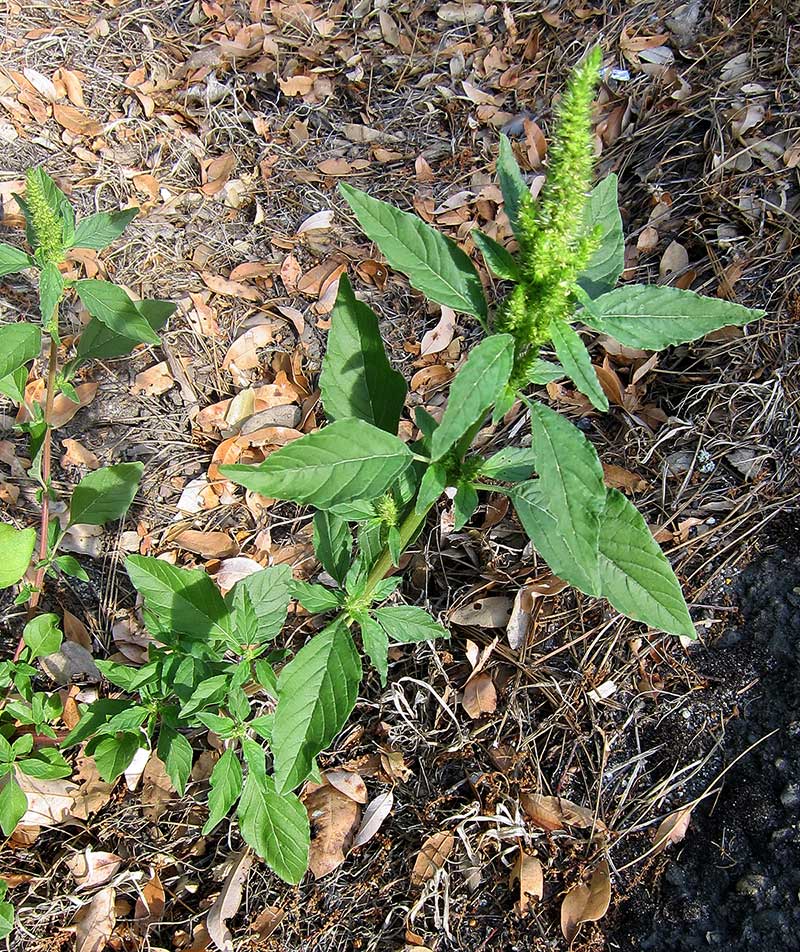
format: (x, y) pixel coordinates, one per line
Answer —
(734, 882)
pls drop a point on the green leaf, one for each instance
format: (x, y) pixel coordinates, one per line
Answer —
(98, 231)
(48, 764)
(316, 598)
(259, 603)
(6, 919)
(113, 755)
(652, 317)
(544, 372)
(185, 600)
(100, 341)
(176, 753)
(42, 636)
(608, 261)
(13, 260)
(570, 493)
(434, 483)
(13, 385)
(19, 343)
(512, 184)
(51, 290)
(276, 826)
(92, 719)
(13, 804)
(112, 307)
(464, 504)
(346, 461)
(105, 495)
(635, 575)
(317, 690)
(408, 623)
(473, 391)
(16, 551)
(69, 565)
(500, 261)
(333, 543)
(357, 379)
(376, 645)
(209, 693)
(433, 263)
(576, 361)
(226, 785)
(512, 464)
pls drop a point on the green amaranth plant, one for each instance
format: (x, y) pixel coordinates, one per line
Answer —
(116, 326)
(213, 662)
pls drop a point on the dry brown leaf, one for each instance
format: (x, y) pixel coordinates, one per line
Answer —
(149, 904)
(437, 339)
(94, 924)
(335, 166)
(157, 788)
(78, 455)
(319, 221)
(296, 85)
(675, 260)
(153, 381)
(72, 84)
(74, 121)
(527, 871)
(490, 612)
(334, 818)
(75, 630)
(616, 477)
(211, 545)
(243, 352)
(93, 792)
(520, 619)
(586, 903)
(672, 829)
(349, 783)
(480, 695)
(314, 282)
(227, 903)
(374, 816)
(236, 289)
(93, 868)
(290, 272)
(234, 570)
(432, 856)
(50, 802)
(267, 921)
(556, 813)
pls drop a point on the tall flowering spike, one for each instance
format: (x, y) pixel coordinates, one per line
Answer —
(44, 219)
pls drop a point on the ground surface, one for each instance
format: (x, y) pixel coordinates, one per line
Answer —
(230, 125)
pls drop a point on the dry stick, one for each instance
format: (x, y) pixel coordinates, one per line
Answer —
(52, 368)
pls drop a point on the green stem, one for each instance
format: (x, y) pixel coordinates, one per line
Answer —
(408, 529)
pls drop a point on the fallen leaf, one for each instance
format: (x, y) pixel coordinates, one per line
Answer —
(334, 818)
(675, 260)
(527, 871)
(93, 868)
(436, 340)
(157, 788)
(348, 783)
(490, 612)
(70, 661)
(236, 289)
(149, 904)
(94, 924)
(76, 454)
(243, 353)
(672, 829)
(556, 813)
(375, 814)
(480, 695)
(153, 381)
(319, 221)
(74, 121)
(618, 478)
(432, 856)
(75, 630)
(267, 921)
(520, 619)
(234, 570)
(226, 905)
(211, 545)
(586, 903)
(92, 793)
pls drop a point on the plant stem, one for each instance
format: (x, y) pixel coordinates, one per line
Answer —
(408, 529)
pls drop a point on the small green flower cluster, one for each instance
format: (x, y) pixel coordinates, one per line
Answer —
(555, 244)
(47, 226)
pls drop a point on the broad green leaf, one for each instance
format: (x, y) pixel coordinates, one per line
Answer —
(259, 603)
(98, 231)
(69, 565)
(185, 600)
(6, 919)
(608, 261)
(13, 804)
(652, 317)
(434, 483)
(635, 575)
(357, 379)
(317, 690)
(408, 623)
(105, 494)
(346, 461)
(473, 391)
(316, 598)
(512, 184)
(333, 543)
(125, 676)
(576, 361)
(113, 755)
(19, 343)
(571, 485)
(500, 261)
(275, 825)
(92, 719)
(13, 385)
(511, 465)
(13, 260)
(209, 693)
(48, 764)
(51, 289)
(176, 753)
(464, 504)
(226, 786)
(100, 341)
(543, 372)
(42, 636)
(376, 645)
(112, 307)
(433, 263)
(16, 551)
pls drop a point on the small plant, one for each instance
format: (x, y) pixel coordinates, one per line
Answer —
(214, 657)
(28, 742)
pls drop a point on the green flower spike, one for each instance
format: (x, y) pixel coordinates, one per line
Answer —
(45, 221)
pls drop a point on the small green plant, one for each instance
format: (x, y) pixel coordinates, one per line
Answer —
(215, 662)
(28, 742)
